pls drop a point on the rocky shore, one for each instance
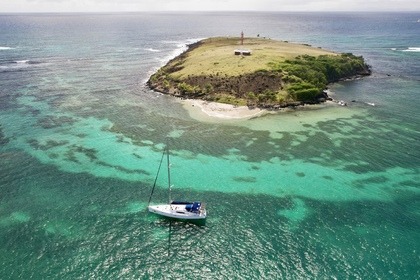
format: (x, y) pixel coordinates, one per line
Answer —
(277, 74)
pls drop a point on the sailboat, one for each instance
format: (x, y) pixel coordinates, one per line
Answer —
(182, 210)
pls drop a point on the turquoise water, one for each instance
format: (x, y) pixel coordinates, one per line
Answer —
(311, 193)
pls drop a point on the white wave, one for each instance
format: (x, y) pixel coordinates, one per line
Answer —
(412, 49)
(13, 67)
(19, 65)
(152, 50)
(181, 46)
(22, 61)
(175, 49)
(5, 48)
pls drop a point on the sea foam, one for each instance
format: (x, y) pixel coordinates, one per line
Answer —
(18, 65)
(152, 50)
(172, 49)
(5, 48)
(412, 49)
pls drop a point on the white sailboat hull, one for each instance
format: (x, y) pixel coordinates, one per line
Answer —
(182, 210)
(177, 211)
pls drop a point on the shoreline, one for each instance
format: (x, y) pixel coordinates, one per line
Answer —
(208, 70)
(221, 111)
(215, 112)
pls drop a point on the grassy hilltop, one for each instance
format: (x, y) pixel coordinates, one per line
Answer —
(275, 74)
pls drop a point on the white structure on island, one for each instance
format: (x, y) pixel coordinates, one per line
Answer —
(242, 51)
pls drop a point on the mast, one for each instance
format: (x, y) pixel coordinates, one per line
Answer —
(169, 172)
(157, 175)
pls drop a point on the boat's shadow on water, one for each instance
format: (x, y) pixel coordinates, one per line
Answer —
(179, 222)
(176, 228)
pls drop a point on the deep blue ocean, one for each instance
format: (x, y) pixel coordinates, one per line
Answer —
(328, 193)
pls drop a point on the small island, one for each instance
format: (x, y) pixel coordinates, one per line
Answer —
(255, 72)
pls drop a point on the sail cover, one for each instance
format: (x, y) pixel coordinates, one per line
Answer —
(194, 207)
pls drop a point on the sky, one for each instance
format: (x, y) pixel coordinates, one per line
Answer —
(16, 6)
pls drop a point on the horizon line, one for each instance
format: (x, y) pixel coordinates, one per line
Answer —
(206, 11)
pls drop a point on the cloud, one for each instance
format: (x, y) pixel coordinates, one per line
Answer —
(340, 5)
(207, 5)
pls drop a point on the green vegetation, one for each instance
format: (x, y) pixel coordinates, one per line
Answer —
(307, 76)
(276, 74)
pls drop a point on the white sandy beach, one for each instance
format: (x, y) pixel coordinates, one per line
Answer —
(204, 110)
(220, 112)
